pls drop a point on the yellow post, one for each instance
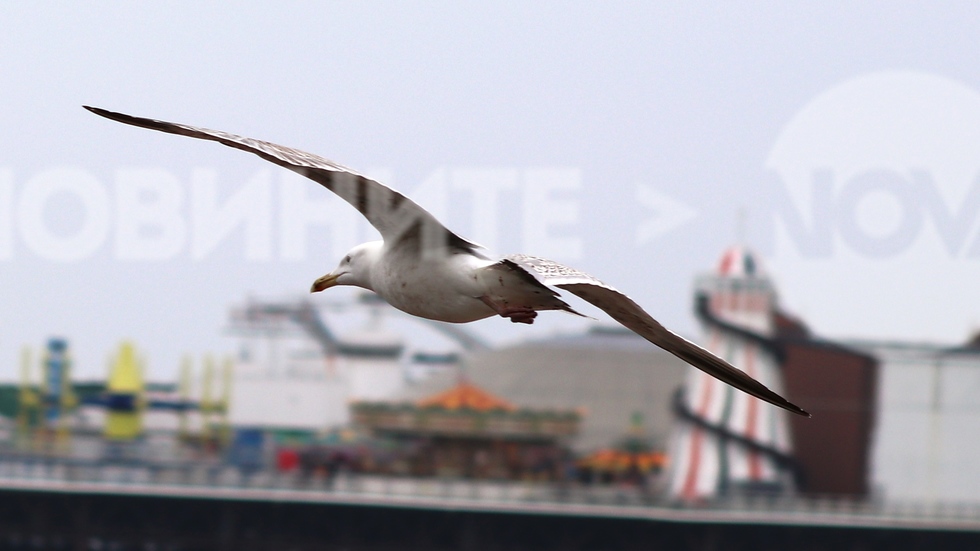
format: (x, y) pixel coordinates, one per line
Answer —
(125, 394)
(207, 396)
(27, 407)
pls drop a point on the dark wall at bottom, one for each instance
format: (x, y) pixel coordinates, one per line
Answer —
(43, 521)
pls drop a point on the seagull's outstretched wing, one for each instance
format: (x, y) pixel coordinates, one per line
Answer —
(622, 309)
(395, 216)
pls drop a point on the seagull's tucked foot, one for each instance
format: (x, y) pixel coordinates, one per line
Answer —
(520, 315)
(516, 314)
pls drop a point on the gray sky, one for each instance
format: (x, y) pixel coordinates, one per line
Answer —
(621, 139)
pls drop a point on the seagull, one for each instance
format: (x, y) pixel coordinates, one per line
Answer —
(426, 270)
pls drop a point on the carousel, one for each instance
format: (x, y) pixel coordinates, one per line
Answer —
(467, 432)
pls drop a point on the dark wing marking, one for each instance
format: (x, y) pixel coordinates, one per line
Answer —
(622, 309)
(396, 217)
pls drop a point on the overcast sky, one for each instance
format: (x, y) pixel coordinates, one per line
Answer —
(622, 139)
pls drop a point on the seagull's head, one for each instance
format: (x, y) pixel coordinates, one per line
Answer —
(354, 269)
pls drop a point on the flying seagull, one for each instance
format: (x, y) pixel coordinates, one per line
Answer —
(424, 269)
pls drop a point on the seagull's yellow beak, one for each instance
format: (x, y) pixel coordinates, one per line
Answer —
(324, 282)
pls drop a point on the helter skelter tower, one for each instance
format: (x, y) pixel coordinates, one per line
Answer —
(727, 442)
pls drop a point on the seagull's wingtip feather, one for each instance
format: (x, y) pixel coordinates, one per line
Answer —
(793, 408)
(102, 112)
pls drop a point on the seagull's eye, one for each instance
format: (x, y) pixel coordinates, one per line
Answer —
(347, 259)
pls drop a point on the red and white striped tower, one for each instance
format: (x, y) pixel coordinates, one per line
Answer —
(727, 441)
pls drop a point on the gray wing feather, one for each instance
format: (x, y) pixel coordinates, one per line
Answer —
(395, 216)
(627, 312)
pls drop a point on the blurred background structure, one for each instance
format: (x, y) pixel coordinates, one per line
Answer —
(595, 423)
(730, 443)
(180, 390)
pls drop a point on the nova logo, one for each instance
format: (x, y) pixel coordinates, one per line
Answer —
(878, 165)
(878, 213)
(875, 207)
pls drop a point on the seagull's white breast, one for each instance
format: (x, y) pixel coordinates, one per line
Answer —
(443, 288)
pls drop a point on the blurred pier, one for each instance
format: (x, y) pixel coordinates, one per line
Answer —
(54, 504)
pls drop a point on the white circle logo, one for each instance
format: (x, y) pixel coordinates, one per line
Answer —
(878, 204)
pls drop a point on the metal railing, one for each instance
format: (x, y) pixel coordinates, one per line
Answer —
(219, 481)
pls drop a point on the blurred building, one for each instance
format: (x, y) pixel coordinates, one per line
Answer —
(838, 385)
(727, 441)
(294, 373)
(759, 447)
(925, 448)
(610, 374)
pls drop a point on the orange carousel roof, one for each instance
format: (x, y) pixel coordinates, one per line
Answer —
(619, 460)
(466, 396)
